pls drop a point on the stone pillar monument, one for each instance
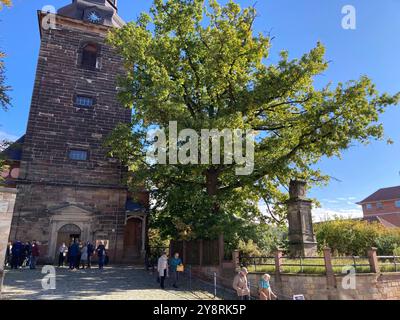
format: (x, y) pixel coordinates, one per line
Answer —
(301, 235)
(7, 201)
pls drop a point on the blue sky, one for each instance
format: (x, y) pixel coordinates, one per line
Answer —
(372, 49)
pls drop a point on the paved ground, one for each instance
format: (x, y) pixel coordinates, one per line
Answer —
(112, 283)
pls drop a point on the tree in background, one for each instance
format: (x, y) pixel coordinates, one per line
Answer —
(202, 65)
(4, 97)
(6, 3)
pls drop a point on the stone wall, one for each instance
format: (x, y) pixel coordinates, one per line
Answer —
(56, 125)
(42, 209)
(7, 201)
(368, 286)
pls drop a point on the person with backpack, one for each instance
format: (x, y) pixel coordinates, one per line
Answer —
(101, 254)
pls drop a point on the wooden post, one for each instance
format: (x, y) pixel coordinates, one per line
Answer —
(373, 260)
(330, 276)
(184, 251)
(221, 250)
(278, 264)
(201, 252)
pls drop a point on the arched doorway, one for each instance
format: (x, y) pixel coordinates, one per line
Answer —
(67, 234)
(132, 238)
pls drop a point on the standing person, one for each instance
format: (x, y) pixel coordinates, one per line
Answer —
(90, 250)
(27, 254)
(16, 252)
(101, 254)
(240, 285)
(84, 256)
(78, 257)
(34, 255)
(174, 263)
(73, 251)
(265, 290)
(162, 268)
(8, 254)
(62, 252)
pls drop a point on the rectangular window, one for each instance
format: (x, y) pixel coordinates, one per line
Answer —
(379, 205)
(82, 101)
(369, 206)
(79, 155)
(397, 203)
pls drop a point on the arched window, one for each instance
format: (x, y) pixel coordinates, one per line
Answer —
(89, 56)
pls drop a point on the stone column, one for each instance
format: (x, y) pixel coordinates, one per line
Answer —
(373, 260)
(7, 202)
(301, 235)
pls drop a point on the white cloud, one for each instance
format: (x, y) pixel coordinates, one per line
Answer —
(323, 214)
(7, 136)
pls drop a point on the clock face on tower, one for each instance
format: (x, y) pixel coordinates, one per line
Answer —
(94, 17)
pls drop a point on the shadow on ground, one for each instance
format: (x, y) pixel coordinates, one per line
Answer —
(112, 283)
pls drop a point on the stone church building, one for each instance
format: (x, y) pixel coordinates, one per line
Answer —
(67, 188)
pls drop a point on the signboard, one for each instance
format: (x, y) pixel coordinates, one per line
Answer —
(298, 297)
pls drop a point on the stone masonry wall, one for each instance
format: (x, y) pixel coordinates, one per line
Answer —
(369, 286)
(56, 125)
(36, 204)
(7, 201)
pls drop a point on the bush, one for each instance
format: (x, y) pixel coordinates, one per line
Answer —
(355, 237)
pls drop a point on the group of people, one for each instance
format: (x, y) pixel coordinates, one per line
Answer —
(79, 255)
(20, 254)
(165, 266)
(241, 286)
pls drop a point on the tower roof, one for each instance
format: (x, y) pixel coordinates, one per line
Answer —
(103, 12)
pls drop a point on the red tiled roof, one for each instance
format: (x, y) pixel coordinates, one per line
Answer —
(383, 194)
(392, 219)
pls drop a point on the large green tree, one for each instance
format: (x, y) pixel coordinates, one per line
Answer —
(4, 97)
(202, 65)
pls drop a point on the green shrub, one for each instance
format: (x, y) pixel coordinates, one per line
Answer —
(355, 237)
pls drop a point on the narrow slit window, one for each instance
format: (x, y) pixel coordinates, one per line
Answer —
(79, 155)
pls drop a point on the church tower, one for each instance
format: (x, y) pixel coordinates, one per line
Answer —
(67, 186)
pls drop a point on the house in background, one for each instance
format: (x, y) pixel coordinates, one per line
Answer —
(383, 206)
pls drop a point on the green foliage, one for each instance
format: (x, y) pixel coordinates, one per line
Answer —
(4, 97)
(396, 251)
(6, 3)
(204, 67)
(249, 249)
(355, 237)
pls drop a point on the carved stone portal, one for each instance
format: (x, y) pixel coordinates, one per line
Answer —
(301, 235)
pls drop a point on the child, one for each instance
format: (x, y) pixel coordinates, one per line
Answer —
(265, 288)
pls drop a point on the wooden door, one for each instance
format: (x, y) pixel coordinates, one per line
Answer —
(133, 238)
